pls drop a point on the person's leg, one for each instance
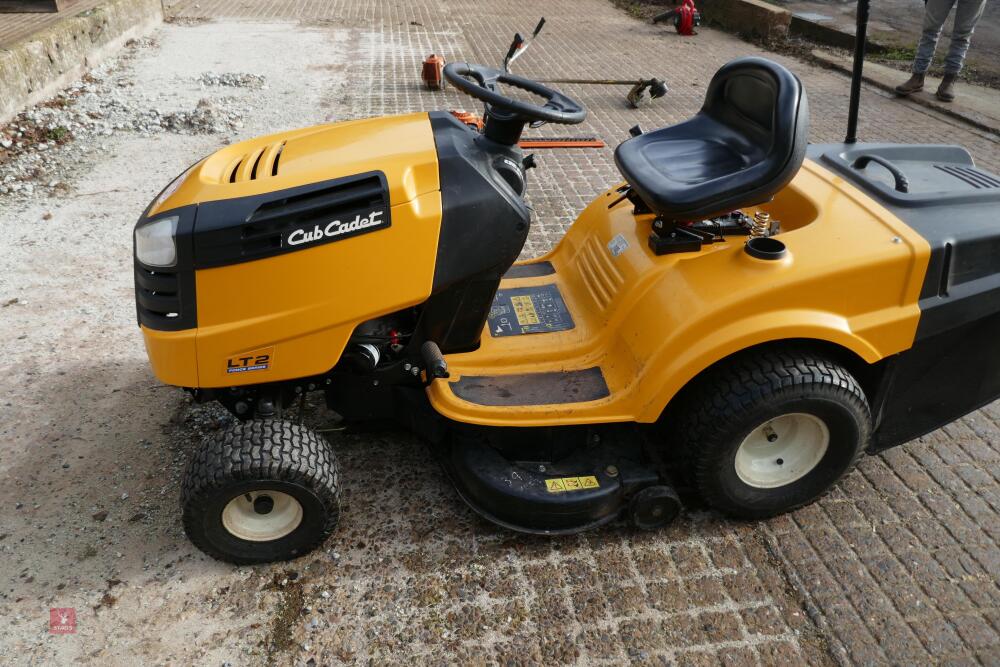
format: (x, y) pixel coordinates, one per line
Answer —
(966, 17)
(967, 14)
(935, 14)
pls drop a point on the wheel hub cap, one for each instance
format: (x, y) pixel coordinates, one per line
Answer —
(782, 450)
(262, 516)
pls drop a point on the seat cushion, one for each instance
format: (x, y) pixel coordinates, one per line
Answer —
(682, 161)
(745, 144)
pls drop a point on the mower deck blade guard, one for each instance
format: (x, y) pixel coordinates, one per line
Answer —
(588, 489)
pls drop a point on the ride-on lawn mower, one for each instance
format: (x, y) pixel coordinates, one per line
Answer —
(745, 310)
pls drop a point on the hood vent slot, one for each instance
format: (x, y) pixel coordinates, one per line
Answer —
(277, 158)
(258, 163)
(977, 179)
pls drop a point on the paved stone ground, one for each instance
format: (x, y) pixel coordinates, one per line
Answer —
(898, 565)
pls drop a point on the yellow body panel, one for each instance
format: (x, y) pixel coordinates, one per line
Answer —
(173, 355)
(303, 306)
(852, 277)
(306, 304)
(402, 147)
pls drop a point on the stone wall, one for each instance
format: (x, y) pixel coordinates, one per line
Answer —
(36, 68)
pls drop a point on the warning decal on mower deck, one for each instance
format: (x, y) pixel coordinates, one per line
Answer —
(528, 310)
(571, 484)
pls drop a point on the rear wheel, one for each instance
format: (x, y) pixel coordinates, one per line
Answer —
(263, 490)
(773, 430)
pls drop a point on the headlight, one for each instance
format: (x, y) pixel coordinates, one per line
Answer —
(154, 242)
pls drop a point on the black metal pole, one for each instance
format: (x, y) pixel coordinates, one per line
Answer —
(860, 45)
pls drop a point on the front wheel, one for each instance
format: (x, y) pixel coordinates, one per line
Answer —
(262, 491)
(773, 430)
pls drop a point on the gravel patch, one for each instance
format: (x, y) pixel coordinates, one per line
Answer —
(42, 147)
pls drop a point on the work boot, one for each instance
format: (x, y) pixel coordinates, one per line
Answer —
(946, 91)
(913, 84)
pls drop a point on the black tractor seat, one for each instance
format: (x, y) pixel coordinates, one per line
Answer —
(746, 143)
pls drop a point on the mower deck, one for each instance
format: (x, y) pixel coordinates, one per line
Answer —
(558, 482)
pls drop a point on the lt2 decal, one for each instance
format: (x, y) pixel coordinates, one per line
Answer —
(247, 362)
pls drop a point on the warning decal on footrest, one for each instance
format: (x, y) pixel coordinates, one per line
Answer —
(527, 310)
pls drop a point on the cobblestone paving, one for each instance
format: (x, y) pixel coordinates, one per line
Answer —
(899, 564)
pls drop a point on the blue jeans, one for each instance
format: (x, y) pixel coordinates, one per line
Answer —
(935, 13)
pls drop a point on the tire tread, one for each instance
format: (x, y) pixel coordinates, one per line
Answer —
(731, 391)
(260, 449)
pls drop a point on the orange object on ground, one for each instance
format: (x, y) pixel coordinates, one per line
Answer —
(469, 118)
(431, 72)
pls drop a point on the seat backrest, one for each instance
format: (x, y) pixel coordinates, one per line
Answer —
(764, 103)
(746, 143)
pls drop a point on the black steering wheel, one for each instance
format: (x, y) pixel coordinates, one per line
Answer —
(481, 82)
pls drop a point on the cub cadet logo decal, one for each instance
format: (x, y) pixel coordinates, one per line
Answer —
(564, 484)
(337, 228)
(258, 360)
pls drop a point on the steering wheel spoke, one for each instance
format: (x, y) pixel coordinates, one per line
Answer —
(483, 83)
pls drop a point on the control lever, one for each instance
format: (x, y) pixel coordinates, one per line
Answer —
(520, 45)
(512, 51)
(434, 362)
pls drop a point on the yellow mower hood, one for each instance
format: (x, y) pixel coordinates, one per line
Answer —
(402, 147)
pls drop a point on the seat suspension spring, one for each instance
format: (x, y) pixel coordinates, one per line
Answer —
(761, 225)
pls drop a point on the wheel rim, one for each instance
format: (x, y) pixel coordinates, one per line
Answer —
(262, 516)
(782, 450)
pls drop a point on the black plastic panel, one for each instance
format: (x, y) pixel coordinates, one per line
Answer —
(528, 310)
(532, 270)
(484, 224)
(165, 298)
(940, 379)
(248, 228)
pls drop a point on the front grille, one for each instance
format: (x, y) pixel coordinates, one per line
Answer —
(161, 300)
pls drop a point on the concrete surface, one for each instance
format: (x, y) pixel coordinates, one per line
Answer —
(747, 17)
(35, 68)
(897, 23)
(899, 565)
(977, 105)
